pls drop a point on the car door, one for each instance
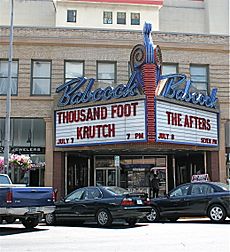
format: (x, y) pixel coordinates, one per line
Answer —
(91, 201)
(69, 208)
(199, 197)
(175, 203)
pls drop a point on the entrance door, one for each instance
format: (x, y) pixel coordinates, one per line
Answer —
(77, 173)
(105, 176)
(162, 175)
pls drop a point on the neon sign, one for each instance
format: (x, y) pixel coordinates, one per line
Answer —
(72, 94)
(171, 90)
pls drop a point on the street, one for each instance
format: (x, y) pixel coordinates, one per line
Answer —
(184, 235)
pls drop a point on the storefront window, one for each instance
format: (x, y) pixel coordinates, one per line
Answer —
(24, 132)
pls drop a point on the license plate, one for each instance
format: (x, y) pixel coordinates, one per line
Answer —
(32, 209)
(139, 202)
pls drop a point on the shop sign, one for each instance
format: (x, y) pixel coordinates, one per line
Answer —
(110, 123)
(185, 125)
(25, 150)
(200, 177)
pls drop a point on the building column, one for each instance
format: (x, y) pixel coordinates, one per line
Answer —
(49, 152)
(222, 156)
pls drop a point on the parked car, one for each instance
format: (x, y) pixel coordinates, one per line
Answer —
(28, 204)
(194, 199)
(100, 203)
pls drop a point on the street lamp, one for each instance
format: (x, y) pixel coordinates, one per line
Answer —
(8, 97)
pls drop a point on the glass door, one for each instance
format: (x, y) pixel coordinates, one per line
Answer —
(105, 176)
(162, 176)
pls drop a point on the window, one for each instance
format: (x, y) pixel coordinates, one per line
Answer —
(24, 132)
(169, 68)
(199, 78)
(106, 72)
(121, 18)
(4, 77)
(135, 18)
(71, 16)
(181, 191)
(41, 77)
(73, 69)
(107, 17)
(76, 195)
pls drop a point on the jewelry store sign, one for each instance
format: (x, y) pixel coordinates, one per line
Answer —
(104, 124)
(186, 125)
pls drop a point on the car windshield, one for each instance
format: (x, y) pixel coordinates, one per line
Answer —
(116, 190)
(223, 186)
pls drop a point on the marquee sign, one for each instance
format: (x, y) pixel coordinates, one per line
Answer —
(112, 123)
(184, 125)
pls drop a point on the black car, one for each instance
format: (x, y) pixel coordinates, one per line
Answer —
(100, 203)
(193, 199)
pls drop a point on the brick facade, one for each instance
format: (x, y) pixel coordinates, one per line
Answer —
(91, 45)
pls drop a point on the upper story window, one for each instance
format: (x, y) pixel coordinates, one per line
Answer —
(41, 77)
(199, 78)
(4, 77)
(107, 17)
(169, 68)
(121, 18)
(72, 16)
(106, 73)
(135, 18)
(73, 69)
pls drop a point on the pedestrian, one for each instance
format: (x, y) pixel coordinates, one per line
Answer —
(154, 186)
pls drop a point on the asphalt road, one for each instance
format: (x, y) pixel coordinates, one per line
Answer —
(196, 235)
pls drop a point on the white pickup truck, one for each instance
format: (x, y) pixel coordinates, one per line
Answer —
(28, 204)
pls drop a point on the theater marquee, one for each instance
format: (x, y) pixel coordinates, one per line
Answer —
(113, 123)
(185, 125)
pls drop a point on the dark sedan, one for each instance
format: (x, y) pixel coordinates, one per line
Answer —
(194, 199)
(100, 203)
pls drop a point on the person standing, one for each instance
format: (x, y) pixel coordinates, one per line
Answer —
(154, 184)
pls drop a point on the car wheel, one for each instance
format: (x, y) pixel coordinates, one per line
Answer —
(30, 222)
(104, 218)
(132, 221)
(50, 219)
(217, 213)
(153, 216)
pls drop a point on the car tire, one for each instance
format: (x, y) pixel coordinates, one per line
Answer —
(30, 222)
(104, 218)
(131, 221)
(216, 213)
(50, 219)
(153, 216)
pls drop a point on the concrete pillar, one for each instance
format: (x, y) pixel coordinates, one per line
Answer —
(222, 157)
(49, 152)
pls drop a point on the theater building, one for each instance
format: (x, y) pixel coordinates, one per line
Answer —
(90, 107)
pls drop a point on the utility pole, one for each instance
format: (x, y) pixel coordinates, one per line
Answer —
(8, 98)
